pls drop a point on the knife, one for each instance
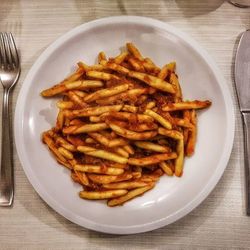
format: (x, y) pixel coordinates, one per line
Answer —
(242, 81)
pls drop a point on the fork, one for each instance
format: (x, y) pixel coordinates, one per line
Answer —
(9, 74)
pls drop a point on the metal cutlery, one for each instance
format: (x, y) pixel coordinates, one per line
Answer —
(242, 81)
(9, 74)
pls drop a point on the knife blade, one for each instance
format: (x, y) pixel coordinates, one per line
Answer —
(242, 82)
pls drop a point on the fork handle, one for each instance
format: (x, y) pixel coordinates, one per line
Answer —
(246, 127)
(6, 171)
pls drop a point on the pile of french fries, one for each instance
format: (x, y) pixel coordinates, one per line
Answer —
(122, 123)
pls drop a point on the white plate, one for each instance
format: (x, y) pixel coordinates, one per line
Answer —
(172, 198)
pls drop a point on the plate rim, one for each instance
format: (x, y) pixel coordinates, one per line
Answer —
(222, 163)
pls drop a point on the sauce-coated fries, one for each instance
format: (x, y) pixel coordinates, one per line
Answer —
(121, 125)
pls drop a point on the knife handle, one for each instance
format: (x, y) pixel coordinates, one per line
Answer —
(246, 127)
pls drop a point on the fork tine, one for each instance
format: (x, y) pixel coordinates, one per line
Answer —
(2, 49)
(13, 49)
(7, 48)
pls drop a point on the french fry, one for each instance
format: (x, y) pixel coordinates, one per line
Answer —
(130, 195)
(186, 105)
(152, 146)
(106, 179)
(158, 118)
(153, 81)
(98, 169)
(99, 94)
(102, 154)
(153, 159)
(125, 185)
(78, 129)
(101, 195)
(131, 134)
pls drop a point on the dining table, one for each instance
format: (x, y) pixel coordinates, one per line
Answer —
(220, 221)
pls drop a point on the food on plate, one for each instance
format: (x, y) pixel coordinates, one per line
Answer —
(121, 125)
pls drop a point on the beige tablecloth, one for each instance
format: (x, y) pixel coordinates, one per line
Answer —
(220, 221)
